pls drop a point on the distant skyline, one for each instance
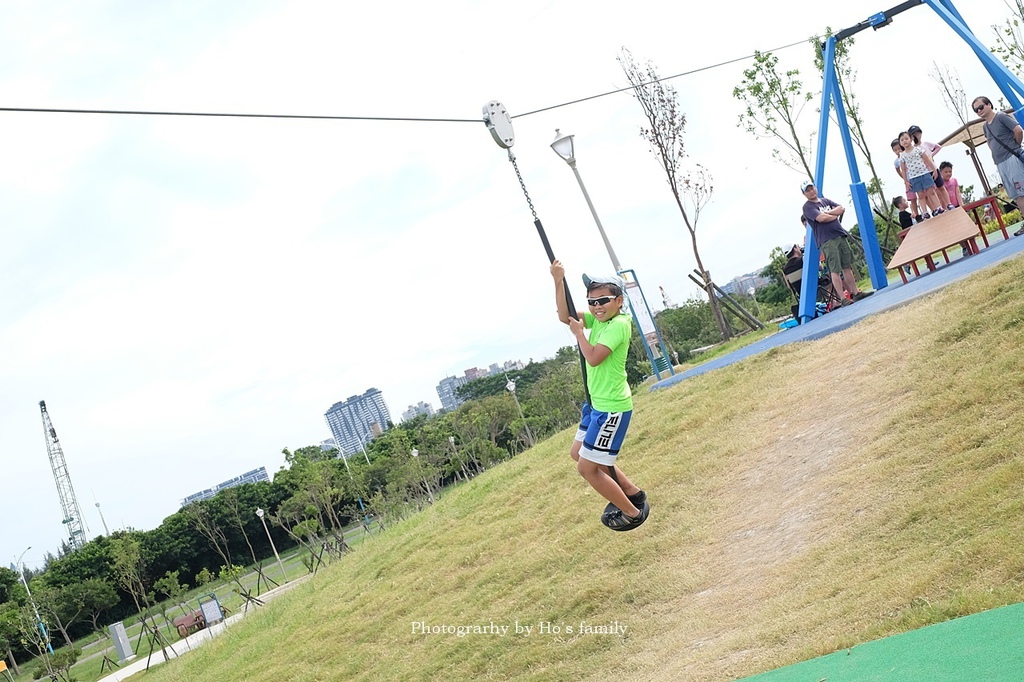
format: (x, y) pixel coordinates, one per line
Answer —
(190, 294)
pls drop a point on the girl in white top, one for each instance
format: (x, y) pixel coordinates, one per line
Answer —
(919, 169)
(911, 194)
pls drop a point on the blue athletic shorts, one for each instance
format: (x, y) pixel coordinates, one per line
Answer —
(602, 434)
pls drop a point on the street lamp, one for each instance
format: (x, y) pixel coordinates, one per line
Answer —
(359, 498)
(511, 387)
(563, 146)
(426, 483)
(753, 294)
(363, 448)
(260, 513)
(20, 568)
(649, 334)
(462, 463)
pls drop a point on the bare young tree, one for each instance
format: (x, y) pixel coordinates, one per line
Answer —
(234, 506)
(953, 95)
(129, 568)
(690, 183)
(773, 102)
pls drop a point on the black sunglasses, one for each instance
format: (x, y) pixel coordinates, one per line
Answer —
(980, 108)
(604, 300)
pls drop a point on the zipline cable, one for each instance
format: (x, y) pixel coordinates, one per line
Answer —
(406, 119)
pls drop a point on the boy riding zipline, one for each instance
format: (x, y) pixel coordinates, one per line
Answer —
(606, 417)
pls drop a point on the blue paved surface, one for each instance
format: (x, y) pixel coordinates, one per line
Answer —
(893, 296)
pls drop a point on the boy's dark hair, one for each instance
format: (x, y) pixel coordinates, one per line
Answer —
(896, 143)
(944, 165)
(897, 201)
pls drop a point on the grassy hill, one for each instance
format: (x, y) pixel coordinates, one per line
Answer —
(813, 497)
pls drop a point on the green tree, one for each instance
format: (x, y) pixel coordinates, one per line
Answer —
(773, 101)
(1009, 39)
(93, 597)
(10, 635)
(129, 569)
(557, 398)
(56, 610)
(203, 577)
(846, 77)
(687, 326)
(171, 588)
(778, 292)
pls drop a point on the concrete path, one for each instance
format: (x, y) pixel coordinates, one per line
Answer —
(183, 646)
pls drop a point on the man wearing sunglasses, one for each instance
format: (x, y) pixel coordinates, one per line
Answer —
(606, 417)
(1004, 136)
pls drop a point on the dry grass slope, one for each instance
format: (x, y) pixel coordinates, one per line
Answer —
(808, 499)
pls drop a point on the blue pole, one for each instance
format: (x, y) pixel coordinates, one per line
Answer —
(809, 284)
(1003, 77)
(861, 204)
(636, 321)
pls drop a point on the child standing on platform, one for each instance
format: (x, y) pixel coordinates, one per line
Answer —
(919, 169)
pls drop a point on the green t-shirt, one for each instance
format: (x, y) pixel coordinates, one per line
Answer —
(609, 390)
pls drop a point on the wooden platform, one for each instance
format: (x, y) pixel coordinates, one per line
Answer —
(933, 235)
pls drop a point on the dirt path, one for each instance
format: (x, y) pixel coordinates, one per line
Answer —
(778, 503)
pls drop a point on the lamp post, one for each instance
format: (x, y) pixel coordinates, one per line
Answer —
(511, 387)
(426, 483)
(753, 294)
(563, 146)
(363, 448)
(462, 463)
(359, 498)
(649, 334)
(20, 568)
(260, 513)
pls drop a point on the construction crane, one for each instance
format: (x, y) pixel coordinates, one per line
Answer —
(72, 519)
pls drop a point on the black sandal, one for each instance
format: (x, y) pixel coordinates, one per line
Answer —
(617, 520)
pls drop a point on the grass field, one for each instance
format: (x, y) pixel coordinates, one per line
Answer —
(813, 497)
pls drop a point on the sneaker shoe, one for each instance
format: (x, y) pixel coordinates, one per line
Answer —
(937, 211)
(862, 294)
(1019, 232)
(950, 207)
(926, 216)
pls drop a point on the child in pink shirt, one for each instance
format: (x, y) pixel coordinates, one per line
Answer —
(951, 184)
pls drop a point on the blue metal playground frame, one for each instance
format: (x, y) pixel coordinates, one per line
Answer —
(1009, 85)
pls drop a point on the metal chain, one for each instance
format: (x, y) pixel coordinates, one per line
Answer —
(512, 158)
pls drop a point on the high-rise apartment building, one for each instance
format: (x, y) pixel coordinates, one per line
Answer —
(357, 420)
(446, 392)
(446, 388)
(418, 409)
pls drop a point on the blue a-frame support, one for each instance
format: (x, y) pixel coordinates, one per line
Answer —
(1009, 85)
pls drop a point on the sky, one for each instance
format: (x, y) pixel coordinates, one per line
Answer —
(189, 295)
